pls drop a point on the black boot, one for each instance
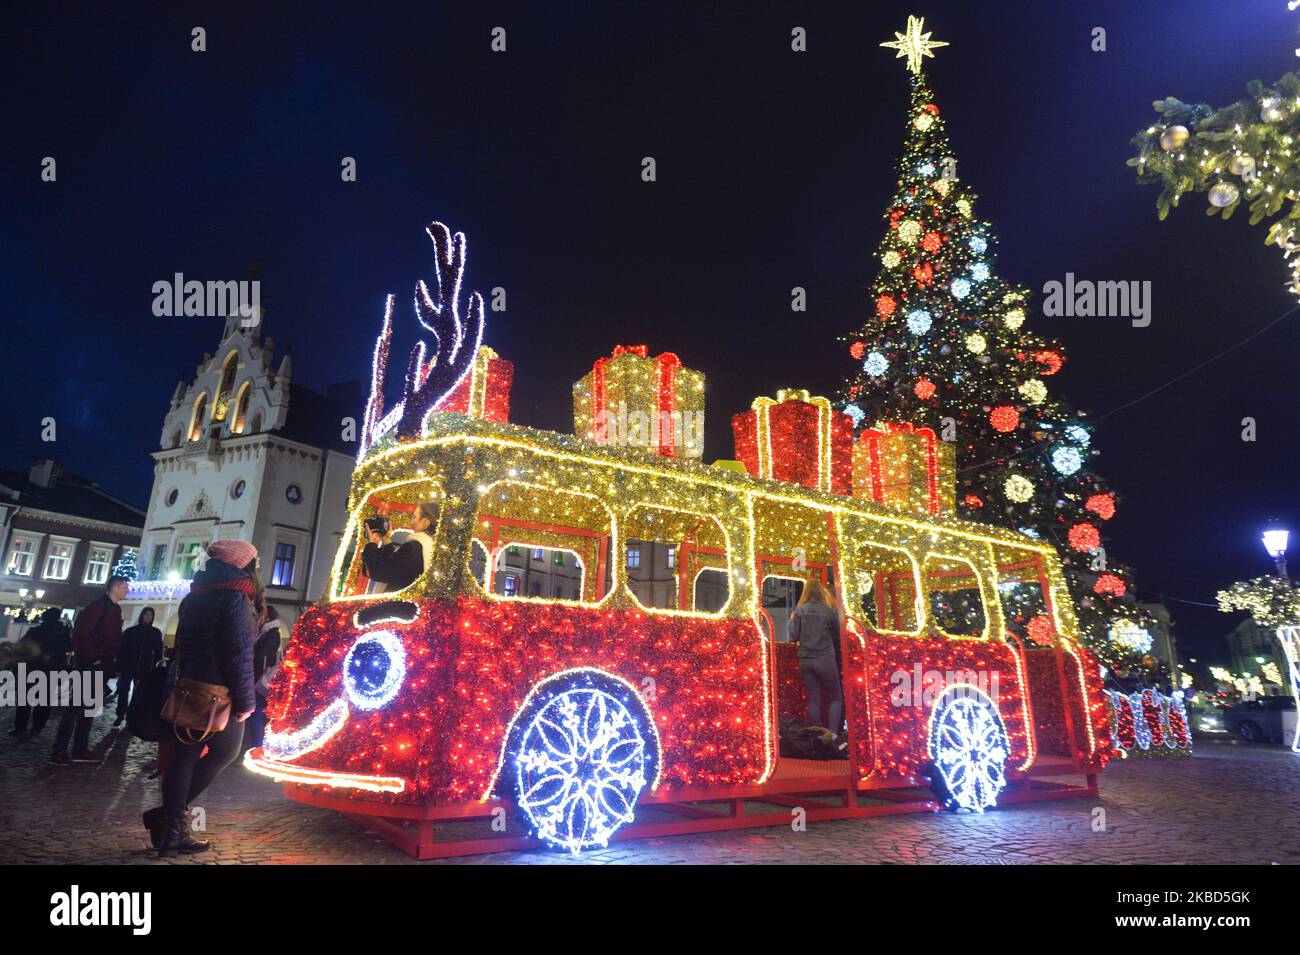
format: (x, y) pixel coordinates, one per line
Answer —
(176, 838)
(155, 820)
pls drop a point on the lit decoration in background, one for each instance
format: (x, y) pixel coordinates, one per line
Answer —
(159, 591)
(857, 350)
(924, 388)
(1041, 630)
(126, 565)
(1033, 391)
(1084, 538)
(1018, 488)
(583, 754)
(1018, 447)
(1272, 601)
(968, 744)
(1004, 418)
(1130, 636)
(1110, 584)
(1149, 723)
(1103, 505)
(1067, 460)
(1289, 637)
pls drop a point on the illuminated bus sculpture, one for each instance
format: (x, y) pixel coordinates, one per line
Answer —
(595, 711)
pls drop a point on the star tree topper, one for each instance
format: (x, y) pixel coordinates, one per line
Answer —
(914, 44)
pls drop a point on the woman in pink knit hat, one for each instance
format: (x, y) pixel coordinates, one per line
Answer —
(214, 645)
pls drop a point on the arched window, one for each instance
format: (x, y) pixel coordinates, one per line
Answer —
(237, 423)
(228, 369)
(256, 425)
(199, 417)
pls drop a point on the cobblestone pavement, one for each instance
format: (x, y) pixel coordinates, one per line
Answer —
(1230, 803)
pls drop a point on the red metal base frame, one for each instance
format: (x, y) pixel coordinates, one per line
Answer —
(439, 832)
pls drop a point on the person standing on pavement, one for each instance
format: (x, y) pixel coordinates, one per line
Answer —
(96, 639)
(214, 644)
(266, 661)
(142, 647)
(44, 647)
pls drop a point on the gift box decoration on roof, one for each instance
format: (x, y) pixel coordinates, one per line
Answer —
(796, 437)
(485, 391)
(905, 467)
(632, 399)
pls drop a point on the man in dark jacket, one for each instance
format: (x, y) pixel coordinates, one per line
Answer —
(142, 648)
(96, 638)
(43, 647)
(214, 644)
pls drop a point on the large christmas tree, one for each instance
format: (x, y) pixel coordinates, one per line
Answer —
(946, 345)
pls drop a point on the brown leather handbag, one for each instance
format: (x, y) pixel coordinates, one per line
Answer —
(196, 707)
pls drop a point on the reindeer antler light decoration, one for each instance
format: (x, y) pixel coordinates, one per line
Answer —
(456, 341)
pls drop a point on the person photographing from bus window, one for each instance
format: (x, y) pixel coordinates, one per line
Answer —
(393, 564)
(815, 626)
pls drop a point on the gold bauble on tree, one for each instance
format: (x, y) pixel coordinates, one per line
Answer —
(1242, 164)
(1149, 662)
(1174, 137)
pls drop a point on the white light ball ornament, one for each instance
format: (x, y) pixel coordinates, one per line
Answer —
(960, 288)
(1067, 460)
(909, 230)
(876, 364)
(919, 321)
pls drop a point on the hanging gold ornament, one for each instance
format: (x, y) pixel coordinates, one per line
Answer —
(1174, 137)
(1242, 164)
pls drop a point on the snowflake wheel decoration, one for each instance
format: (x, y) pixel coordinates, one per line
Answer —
(584, 749)
(969, 749)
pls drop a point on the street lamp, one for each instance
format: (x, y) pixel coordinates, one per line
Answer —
(1275, 543)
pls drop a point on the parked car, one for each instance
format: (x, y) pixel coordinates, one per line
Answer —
(1261, 720)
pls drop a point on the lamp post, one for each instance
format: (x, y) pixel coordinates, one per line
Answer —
(1275, 543)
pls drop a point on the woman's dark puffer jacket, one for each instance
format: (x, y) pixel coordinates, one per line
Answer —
(216, 633)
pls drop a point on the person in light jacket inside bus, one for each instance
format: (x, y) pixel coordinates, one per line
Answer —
(815, 626)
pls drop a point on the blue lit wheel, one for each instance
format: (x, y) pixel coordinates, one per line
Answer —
(581, 750)
(968, 750)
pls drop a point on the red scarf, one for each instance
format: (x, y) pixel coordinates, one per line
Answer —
(244, 585)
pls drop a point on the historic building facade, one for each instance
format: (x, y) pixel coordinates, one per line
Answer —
(61, 536)
(247, 453)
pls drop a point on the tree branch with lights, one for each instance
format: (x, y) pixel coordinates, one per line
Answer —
(1239, 154)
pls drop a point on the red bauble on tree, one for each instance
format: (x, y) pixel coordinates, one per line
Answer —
(1084, 538)
(1110, 584)
(1103, 505)
(924, 388)
(1004, 418)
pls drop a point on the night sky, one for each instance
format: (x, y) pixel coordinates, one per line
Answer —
(774, 169)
